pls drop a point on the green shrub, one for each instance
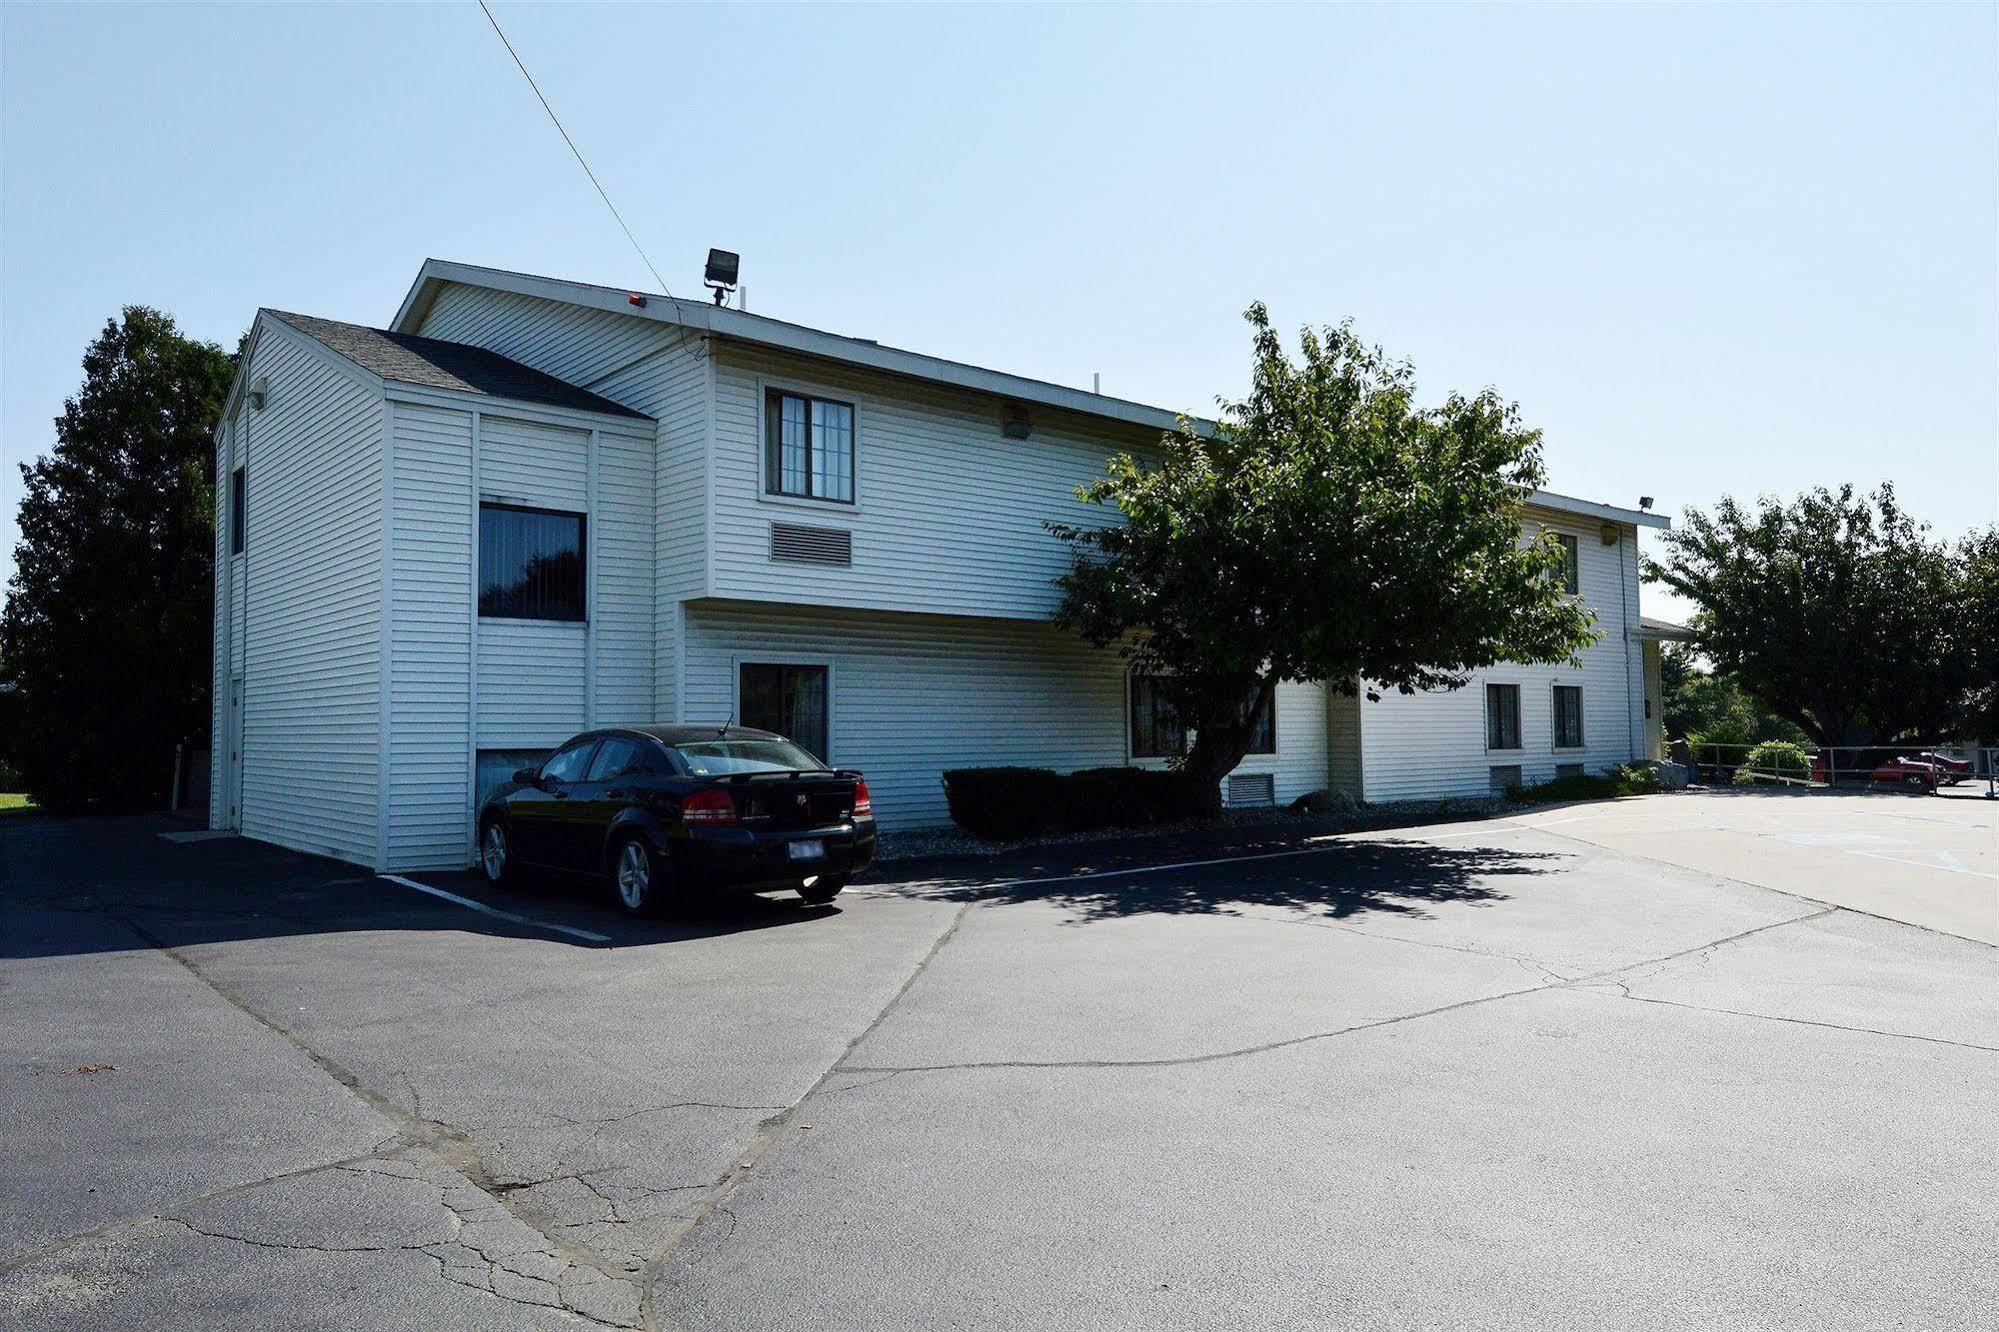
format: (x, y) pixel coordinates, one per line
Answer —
(1004, 803)
(1774, 760)
(1013, 803)
(1631, 779)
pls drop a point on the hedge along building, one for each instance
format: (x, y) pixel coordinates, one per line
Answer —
(531, 506)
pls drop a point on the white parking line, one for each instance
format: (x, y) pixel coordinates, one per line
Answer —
(570, 930)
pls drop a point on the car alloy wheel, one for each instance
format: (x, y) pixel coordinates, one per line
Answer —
(634, 876)
(493, 852)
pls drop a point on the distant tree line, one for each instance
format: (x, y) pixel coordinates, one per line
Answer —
(1836, 614)
(107, 631)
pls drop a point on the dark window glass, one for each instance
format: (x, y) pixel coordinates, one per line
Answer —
(1156, 731)
(570, 764)
(1263, 739)
(1572, 564)
(236, 525)
(706, 758)
(531, 563)
(1155, 726)
(790, 700)
(1568, 717)
(808, 447)
(1502, 716)
(615, 758)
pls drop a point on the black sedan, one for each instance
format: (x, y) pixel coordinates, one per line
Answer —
(669, 813)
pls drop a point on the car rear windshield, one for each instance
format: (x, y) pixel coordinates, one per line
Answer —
(712, 758)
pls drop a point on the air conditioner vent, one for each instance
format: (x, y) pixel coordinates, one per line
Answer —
(793, 543)
(1253, 788)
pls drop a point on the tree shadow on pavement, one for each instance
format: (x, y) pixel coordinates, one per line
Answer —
(1338, 881)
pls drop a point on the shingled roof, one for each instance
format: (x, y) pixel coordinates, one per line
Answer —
(434, 363)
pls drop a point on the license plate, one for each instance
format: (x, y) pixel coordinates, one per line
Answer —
(812, 849)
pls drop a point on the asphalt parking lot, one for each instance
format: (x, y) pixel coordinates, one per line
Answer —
(1692, 1061)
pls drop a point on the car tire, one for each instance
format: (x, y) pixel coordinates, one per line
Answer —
(638, 876)
(496, 853)
(822, 889)
(1917, 782)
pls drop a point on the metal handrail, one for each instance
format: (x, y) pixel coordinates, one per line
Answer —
(1724, 761)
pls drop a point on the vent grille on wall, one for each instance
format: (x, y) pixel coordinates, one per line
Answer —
(1254, 788)
(797, 544)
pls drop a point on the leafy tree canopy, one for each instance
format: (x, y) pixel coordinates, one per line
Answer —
(1700, 702)
(1329, 528)
(106, 626)
(1837, 611)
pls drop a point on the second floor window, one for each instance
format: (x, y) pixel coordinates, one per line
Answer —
(1572, 565)
(808, 447)
(531, 563)
(236, 524)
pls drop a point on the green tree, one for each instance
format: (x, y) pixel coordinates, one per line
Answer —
(1328, 528)
(1977, 625)
(1697, 700)
(1836, 611)
(107, 624)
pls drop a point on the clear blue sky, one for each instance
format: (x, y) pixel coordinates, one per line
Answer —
(1708, 250)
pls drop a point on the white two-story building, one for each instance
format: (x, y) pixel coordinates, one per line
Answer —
(529, 507)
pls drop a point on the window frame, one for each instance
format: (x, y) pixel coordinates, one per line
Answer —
(1519, 738)
(1572, 562)
(1131, 683)
(239, 525)
(1132, 754)
(1555, 741)
(582, 518)
(781, 660)
(769, 442)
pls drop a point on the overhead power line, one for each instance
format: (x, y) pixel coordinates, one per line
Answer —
(519, 64)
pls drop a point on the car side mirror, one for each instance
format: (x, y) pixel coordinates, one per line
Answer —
(528, 776)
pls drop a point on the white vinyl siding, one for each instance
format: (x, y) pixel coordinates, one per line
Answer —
(650, 368)
(914, 695)
(430, 741)
(949, 512)
(1432, 745)
(309, 596)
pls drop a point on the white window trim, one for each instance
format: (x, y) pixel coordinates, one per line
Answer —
(1485, 716)
(766, 384)
(782, 658)
(1554, 717)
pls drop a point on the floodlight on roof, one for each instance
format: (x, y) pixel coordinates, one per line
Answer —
(720, 275)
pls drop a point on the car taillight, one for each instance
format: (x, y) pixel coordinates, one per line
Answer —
(708, 807)
(864, 808)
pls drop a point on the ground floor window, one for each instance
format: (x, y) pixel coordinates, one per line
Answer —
(531, 563)
(1156, 731)
(790, 700)
(1502, 716)
(1568, 717)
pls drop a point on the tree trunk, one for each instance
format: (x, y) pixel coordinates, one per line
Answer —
(1219, 745)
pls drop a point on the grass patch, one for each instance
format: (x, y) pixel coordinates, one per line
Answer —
(16, 802)
(1626, 781)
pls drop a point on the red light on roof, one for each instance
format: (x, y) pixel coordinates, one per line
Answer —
(637, 300)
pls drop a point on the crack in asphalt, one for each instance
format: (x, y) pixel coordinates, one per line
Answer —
(450, 1148)
(1623, 991)
(772, 1132)
(1266, 1047)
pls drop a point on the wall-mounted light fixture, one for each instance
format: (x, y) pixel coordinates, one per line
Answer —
(260, 392)
(1014, 422)
(1607, 534)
